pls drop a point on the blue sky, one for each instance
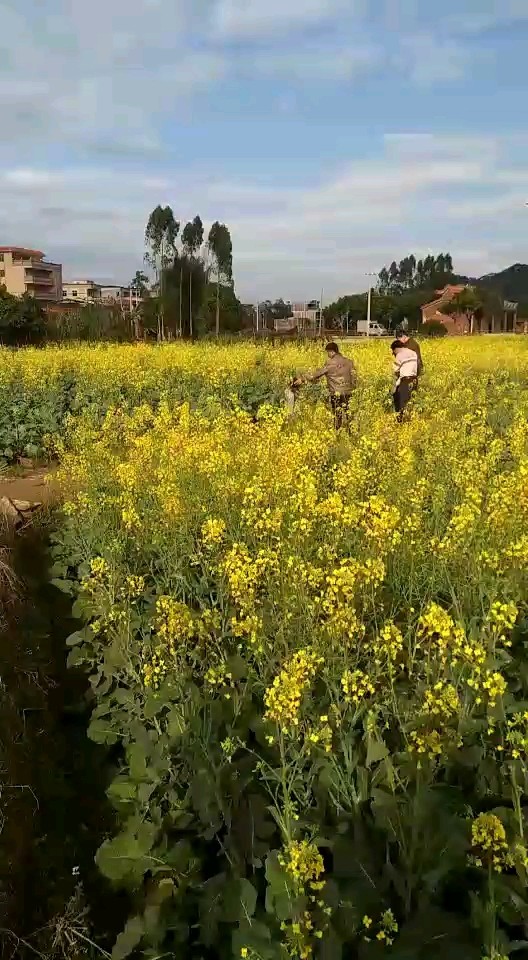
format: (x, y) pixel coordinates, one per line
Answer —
(330, 135)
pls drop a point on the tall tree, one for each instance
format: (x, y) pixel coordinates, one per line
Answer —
(221, 249)
(139, 282)
(161, 234)
(233, 314)
(178, 285)
(192, 238)
(383, 280)
(406, 271)
(412, 274)
(429, 267)
(394, 275)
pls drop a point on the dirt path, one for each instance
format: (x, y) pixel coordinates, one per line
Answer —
(35, 486)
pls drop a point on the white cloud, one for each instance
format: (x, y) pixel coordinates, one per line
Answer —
(429, 59)
(322, 61)
(487, 15)
(97, 101)
(287, 240)
(254, 18)
(26, 177)
(98, 73)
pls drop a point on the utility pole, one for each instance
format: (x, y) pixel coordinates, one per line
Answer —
(369, 301)
(131, 315)
(321, 314)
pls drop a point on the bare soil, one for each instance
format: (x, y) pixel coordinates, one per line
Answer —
(34, 485)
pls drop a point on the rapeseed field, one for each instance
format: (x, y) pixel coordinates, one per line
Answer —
(307, 650)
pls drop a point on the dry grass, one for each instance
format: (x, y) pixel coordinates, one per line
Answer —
(9, 585)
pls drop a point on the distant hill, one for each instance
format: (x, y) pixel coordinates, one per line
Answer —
(510, 284)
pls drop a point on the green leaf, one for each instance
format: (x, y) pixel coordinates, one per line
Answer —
(100, 731)
(81, 609)
(237, 667)
(137, 761)
(154, 704)
(248, 898)
(65, 586)
(112, 859)
(75, 638)
(278, 900)
(256, 936)
(175, 724)
(376, 751)
(128, 940)
(145, 791)
(240, 900)
(126, 856)
(76, 657)
(122, 791)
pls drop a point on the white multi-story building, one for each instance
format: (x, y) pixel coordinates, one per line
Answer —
(81, 291)
(307, 315)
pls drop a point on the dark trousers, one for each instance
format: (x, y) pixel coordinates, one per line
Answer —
(339, 405)
(403, 394)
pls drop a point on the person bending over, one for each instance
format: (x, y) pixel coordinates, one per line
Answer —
(341, 380)
(412, 344)
(406, 373)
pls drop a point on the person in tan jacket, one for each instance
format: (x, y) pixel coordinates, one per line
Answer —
(341, 379)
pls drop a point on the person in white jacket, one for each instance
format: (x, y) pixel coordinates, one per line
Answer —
(406, 373)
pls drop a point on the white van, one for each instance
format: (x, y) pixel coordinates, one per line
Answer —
(374, 329)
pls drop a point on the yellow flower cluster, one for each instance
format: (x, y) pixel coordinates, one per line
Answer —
(244, 572)
(356, 686)
(488, 843)
(304, 865)
(320, 734)
(283, 698)
(384, 930)
(174, 623)
(134, 587)
(442, 702)
(437, 626)
(427, 743)
(388, 645)
(155, 669)
(213, 531)
(515, 746)
(502, 618)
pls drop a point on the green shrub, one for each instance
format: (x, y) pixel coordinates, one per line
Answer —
(433, 328)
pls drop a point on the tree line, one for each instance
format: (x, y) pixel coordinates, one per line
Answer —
(193, 290)
(402, 290)
(413, 274)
